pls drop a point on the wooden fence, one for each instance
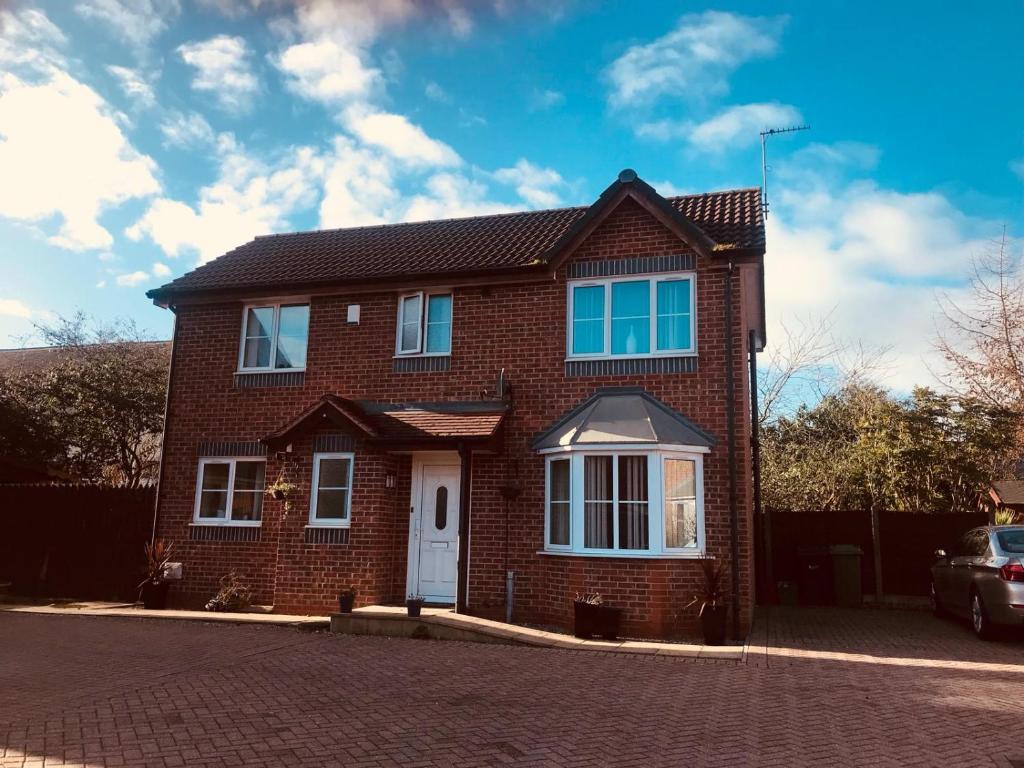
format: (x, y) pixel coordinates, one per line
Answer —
(74, 540)
(907, 542)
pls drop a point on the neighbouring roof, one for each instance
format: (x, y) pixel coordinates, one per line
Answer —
(396, 423)
(622, 415)
(1009, 492)
(715, 222)
(34, 359)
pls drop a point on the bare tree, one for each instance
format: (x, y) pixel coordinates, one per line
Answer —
(984, 341)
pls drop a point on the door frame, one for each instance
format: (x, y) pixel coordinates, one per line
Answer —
(420, 460)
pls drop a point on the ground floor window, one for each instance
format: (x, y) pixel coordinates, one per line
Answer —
(624, 502)
(331, 499)
(230, 491)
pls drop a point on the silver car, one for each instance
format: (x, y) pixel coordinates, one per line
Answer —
(982, 578)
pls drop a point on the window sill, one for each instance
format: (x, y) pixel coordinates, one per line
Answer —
(658, 356)
(410, 355)
(695, 555)
(254, 371)
(329, 526)
(227, 523)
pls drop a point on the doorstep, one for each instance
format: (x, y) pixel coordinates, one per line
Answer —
(128, 610)
(445, 624)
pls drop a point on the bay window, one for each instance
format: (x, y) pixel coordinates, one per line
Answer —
(624, 502)
(632, 317)
(424, 324)
(230, 492)
(274, 337)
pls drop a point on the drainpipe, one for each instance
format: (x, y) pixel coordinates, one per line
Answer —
(767, 569)
(163, 435)
(730, 386)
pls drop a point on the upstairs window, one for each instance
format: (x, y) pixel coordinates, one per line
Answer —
(230, 491)
(631, 317)
(424, 324)
(274, 337)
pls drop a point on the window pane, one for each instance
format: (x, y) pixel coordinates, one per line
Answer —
(680, 479)
(680, 523)
(293, 330)
(633, 508)
(560, 524)
(633, 526)
(439, 324)
(632, 478)
(409, 341)
(249, 475)
(257, 353)
(331, 505)
(588, 320)
(560, 480)
(215, 477)
(674, 315)
(213, 504)
(410, 333)
(247, 505)
(631, 318)
(259, 322)
(441, 509)
(333, 473)
(597, 497)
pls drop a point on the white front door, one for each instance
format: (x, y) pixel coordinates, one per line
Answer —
(437, 533)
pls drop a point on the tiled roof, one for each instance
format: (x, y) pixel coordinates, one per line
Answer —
(416, 423)
(482, 244)
(1010, 491)
(35, 359)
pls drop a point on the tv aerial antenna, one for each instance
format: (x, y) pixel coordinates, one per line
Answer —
(764, 158)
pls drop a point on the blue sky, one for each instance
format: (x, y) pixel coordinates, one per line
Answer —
(141, 137)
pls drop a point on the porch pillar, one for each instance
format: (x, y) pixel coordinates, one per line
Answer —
(465, 480)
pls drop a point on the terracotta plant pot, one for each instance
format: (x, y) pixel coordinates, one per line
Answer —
(413, 607)
(154, 596)
(712, 622)
(346, 601)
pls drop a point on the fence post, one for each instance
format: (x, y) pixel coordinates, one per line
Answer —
(876, 547)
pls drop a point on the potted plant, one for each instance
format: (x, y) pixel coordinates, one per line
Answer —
(280, 489)
(154, 586)
(591, 616)
(233, 596)
(712, 601)
(413, 604)
(347, 599)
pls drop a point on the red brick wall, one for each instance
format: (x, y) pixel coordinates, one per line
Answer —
(519, 328)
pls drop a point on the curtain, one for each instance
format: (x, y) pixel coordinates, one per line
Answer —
(633, 503)
(597, 497)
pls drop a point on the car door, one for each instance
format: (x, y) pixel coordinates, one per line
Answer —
(968, 549)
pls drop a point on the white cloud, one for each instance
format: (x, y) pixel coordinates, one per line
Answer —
(30, 41)
(399, 138)
(452, 195)
(533, 184)
(359, 187)
(186, 130)
(131, 279)
(138, 22)
(160, 269)
(327, 71)
(693, 60)
(873, 257)
(733, 127)
(16, 308)
(435, 92)
(1017, 166)
(61, 142)
(134, 85)
(222, 68)
(249, 198)
(546, 99)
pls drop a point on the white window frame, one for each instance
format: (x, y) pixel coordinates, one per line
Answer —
(653, 280)
(232, 462)
(424, 318)
(314, 491)
(656, 454)
(276, 306)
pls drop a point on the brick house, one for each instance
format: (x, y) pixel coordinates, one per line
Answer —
(495, 412)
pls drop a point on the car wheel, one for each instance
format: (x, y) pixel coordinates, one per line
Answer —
(936, 604)
(980, 622)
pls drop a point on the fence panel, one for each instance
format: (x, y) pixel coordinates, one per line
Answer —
(74, 540)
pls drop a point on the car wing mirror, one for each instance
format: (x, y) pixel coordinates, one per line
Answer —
(940, 553)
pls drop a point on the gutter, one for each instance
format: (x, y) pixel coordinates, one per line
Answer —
(163, 436)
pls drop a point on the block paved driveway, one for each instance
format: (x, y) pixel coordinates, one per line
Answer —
(820, 687)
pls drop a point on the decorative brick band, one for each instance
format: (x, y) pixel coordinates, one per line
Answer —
(270, 379)
(233, 448)
(631, 366)
(224, 532)
(637, 265)
(333, 443)
(421, 363)
(326, 535)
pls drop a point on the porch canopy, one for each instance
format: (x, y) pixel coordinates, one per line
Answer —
(474, 424)
(622, 416)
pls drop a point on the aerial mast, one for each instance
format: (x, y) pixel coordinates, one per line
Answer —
(764, 159)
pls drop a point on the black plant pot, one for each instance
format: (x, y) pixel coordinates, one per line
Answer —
(712, 621)
(346, 602)
(600, 620)
(277, 495)
(154, 596)
(413, 607)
